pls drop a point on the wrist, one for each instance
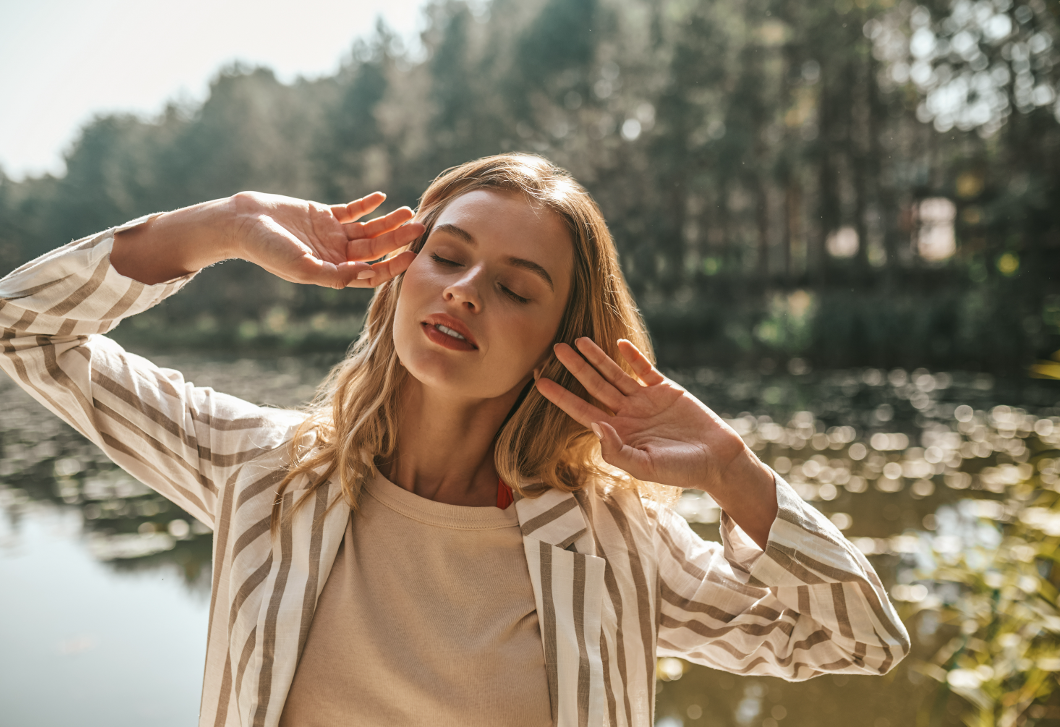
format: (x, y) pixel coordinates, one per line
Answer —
(238, 213)
(747, 485)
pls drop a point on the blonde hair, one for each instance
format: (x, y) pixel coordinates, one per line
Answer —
(353, 418)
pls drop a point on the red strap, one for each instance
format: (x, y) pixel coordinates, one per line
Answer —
(504, 495)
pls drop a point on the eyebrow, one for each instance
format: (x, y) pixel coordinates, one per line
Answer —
(518, 262)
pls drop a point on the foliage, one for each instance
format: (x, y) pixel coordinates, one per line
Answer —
(1005, 660)
(730, 145)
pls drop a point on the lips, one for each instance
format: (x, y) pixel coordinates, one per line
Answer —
(441, 319)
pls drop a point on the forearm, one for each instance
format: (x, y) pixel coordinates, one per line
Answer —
(176, 243)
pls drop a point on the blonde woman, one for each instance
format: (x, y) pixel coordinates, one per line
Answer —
(370, 565)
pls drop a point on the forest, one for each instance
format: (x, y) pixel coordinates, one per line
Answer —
(864, 182)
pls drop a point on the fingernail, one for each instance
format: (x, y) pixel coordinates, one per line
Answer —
(365, 274)
(596, 430)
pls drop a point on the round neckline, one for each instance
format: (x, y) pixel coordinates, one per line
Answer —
(439, 514)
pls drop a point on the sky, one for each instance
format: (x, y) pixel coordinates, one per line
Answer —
(64, 61)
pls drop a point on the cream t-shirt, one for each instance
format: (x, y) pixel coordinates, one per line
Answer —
(427, 617)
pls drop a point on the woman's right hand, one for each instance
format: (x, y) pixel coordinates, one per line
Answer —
(297, 240)
(308, 242)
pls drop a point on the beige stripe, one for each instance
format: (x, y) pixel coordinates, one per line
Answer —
(78, 297)
(224, 694)
(814, 528)
(66, 328)
(168, 454)
(228, 425)
(309, 600)
(888, 657)
(253, 581)
(60, 377)
(692, 606)
(256, 488)
(837, 574)
(804, 600)
(578, 604)
(23, 373)
(172, 426)
(612, 705)
(873, 599)
(612, 588)
(545, 518)
(244, 658)
(792, 561)
(644, 606)
(222, 524)
(839, 605)
(268, 644)
(817, 637)
(548, 627)
(615, 595)
(680, 557)
(751, 629)
(249, 535)
(188, 495)
(87, 243)
(125, 302)
(860, 649)
(36, 288)
(20, 326)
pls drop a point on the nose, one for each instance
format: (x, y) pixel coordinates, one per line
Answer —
(465, 290)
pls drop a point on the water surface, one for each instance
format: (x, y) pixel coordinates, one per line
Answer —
(107, 584)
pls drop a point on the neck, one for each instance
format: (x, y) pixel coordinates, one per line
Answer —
(445, 445)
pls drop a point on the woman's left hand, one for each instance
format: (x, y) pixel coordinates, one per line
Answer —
(659, 432)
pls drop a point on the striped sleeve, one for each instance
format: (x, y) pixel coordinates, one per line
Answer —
(809, 604)
(183, 441)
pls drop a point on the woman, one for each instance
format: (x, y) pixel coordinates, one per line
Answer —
(368, 567)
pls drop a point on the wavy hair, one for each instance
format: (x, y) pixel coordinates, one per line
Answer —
(352, 420)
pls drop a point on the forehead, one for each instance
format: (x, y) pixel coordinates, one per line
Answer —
(510, 220)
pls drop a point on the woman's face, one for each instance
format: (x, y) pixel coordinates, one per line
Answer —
(480, 305)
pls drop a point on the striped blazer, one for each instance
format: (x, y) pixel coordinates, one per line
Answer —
(617, 580)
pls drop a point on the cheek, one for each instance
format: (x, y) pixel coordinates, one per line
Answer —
(528, 337)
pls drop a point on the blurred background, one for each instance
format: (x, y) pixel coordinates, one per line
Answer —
(839, 220)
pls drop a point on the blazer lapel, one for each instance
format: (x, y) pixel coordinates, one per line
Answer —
(301, 559)
(568, 582)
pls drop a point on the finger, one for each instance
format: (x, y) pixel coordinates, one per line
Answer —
(640, 364)
(358, 208)
(574, 406)
(376, 227)
(373, 248)
(311, 270)
(607, 367)
(589, 377)
(633, 461)
(369, 276)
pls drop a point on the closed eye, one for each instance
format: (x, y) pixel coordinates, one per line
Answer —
(439, 259)
(515, 296)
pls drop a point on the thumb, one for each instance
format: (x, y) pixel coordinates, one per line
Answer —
(615, 452)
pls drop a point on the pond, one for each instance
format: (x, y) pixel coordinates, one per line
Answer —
(106, 584)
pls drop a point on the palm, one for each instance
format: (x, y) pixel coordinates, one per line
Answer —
(658, 432)
(307, 242)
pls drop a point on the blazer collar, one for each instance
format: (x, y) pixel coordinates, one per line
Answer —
(554, 518)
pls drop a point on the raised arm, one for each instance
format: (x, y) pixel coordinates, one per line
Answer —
(297, 240)
(786, 595)
(182, 440)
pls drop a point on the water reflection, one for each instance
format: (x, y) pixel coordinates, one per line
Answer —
(125, 524)
(898, 460)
